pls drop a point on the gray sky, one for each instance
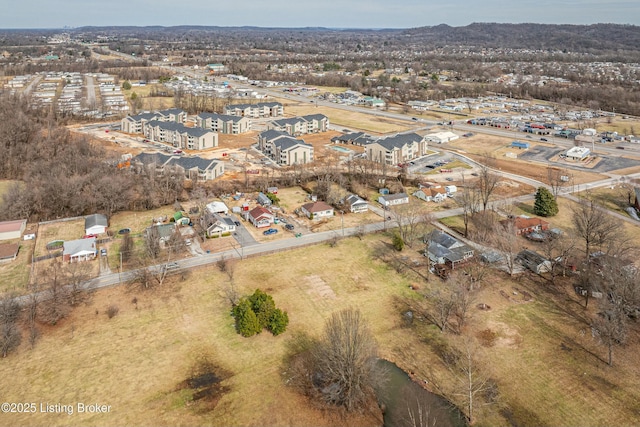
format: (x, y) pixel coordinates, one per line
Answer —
(316, 13)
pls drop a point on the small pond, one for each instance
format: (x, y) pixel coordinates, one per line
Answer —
(402, 396)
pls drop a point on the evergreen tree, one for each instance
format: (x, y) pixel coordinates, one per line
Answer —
(278, 321)
(545, 204)
(262, 305)
(246, 320)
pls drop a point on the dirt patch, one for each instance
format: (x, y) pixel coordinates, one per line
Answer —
(318, 287)
(505, 335)
(204, 387)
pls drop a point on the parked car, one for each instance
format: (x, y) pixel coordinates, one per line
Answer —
(237, 223)
(413, 118)
(103, 252)
(187, 242)
(289, 227)
(544, 139)
(620, 148)
(269, 231)
(449, 179)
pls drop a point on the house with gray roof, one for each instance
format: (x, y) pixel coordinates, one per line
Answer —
(224, 123)
(79, 250)
(301, 125)
(284, 149)
(443, 249)
(216, 224)
(354, 138)
(388, 200)
(135, 123)
(397, 149)
(95, 224)
(356, 204)
(194, 168)
(180, 136)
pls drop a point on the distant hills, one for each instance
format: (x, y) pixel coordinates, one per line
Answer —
(534, 36)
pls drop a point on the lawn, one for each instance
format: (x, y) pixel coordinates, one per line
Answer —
(61, 230)
(549, 371)
(14, 275)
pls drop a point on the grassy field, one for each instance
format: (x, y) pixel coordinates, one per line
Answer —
(548, 370)
(14, 275)
(348, 119)
(63, 230)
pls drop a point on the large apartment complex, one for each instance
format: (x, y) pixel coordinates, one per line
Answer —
(284, 149)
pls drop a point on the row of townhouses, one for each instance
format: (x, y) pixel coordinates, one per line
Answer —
(301, 125)
(194, 168)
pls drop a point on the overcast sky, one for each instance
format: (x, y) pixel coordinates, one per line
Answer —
(316, 13)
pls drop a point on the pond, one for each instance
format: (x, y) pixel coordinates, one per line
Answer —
(402, 397)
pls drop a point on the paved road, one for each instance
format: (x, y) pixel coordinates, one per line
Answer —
(91, 92)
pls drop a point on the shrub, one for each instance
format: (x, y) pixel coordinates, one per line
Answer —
(278, 321)
(247, 323)
(112, 310)
(257, 312)
(398, 243)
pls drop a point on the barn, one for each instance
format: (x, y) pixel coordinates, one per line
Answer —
(12, 229)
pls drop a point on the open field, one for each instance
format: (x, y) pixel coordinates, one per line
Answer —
(548, 370)
(14, 275)
(345, 118)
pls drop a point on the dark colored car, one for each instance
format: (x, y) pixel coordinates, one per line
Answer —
(544, 139)
(289, 227)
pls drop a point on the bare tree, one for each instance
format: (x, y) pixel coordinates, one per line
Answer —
(412, 221)
(487, 182)
(10, 337)
(472, 381)
(55, 305)
(593, 225)
(440, 309)
(152, 242)
(126, 248)
(558, 250)
(558, 178)
(611, 328)
(506, 240)
(77, 274)
(468, 199)
(344, 361)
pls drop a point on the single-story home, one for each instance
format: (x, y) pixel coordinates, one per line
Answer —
(393, 199)
(445, 249)
(526, 225)
(260, 217)
(12, 229)
(356, 204)
(431, 194)
(217, 207)
(534, 261)
(8, 252)
(263, 199)
(317, 210)
(79, 250)
(95, 224)
(215, 224)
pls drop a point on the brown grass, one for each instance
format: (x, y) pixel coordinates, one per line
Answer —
(63, 230)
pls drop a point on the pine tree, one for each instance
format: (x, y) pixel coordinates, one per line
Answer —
(545, 204)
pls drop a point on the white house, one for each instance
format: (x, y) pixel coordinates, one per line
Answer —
(79, 250)
(393, 199)
(317, 210)
(260, 217)
(357, 204)
(215, 224)
(95, 224)
(217, 207)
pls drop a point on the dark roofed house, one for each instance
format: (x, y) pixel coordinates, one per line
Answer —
(445, 249)
(534, 261)
(8, 252)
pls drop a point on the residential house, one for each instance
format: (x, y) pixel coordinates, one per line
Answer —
(12, 229)
(397, 149)
(317, 210)
(95, 224)
(193, 167)
(164, 231)
(79, 250)
(284, 149)
(534, 261)
(216, 224)
(444, 249)
(260, 217)
(431, 194)
(261, 109)
(356, 204)
(217, 207)
(180, 136)
(389, 200)
(223, 123)
(525, 225)
(8, 252)
(263, 199)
